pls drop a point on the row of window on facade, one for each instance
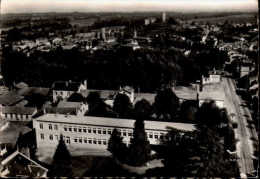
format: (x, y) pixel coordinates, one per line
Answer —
(79, 140)
(61, 92)
(16, 116)
(51, 126)
(104, 131)
(94, 130)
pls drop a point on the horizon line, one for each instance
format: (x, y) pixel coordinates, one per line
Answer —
(136, 11)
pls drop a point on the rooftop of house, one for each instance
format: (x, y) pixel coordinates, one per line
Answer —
(113, 122)
(21, 85)
(185, 93)
(18, 110)
(104, 94)
(213, 95)
(127, 89)
(147, 96)
(56, 110)
(19, 163)
(10, 98)
(33, 90)
(66, 86)
(67, 104)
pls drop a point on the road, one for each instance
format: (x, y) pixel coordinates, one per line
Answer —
(244, 134)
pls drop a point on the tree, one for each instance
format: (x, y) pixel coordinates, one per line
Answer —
(210, 115)
(213, 159)
(143, 109)
(166, 103)
(27, 141)
(123, 106)
(97, 106)
(116, 146)
(76, 97)
(36, 100)
(139, 149)
(199, 153)
(176, 153)
(61, 164)
(188, 110)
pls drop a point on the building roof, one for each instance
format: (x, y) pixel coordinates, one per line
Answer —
(23, 165)
(10, 98)
(127, 89)
(113, 122)
(213, 95)
(18, 110)
(185, 93)
(147, 96)
(21, 85)
(104, 94)
(67, 104)
(34, 90)
(66, 86)
(56, 110)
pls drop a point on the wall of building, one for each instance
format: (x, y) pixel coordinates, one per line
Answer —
(61, 94)
(211, 79)
(16, 117)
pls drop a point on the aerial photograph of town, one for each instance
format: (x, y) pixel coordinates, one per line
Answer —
(129, 88)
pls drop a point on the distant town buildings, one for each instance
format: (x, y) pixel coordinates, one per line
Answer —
(149, 20)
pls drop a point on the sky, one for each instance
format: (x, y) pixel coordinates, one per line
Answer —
(23, 6)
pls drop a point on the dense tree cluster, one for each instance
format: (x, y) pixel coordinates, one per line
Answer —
(146, 69)
(199, 153)
(166, 104)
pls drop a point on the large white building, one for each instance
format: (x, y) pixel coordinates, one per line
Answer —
(88, 132)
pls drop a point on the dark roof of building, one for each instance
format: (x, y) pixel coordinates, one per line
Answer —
(21, 85)
(104, 94)
(20, 164)
(66, 86)
(18, 110)
(34, 90)
(67, 104)
(10, 98)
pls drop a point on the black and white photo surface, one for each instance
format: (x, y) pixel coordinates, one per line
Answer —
(129, 88)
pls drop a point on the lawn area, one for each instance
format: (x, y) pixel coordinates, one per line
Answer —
(97, 166)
